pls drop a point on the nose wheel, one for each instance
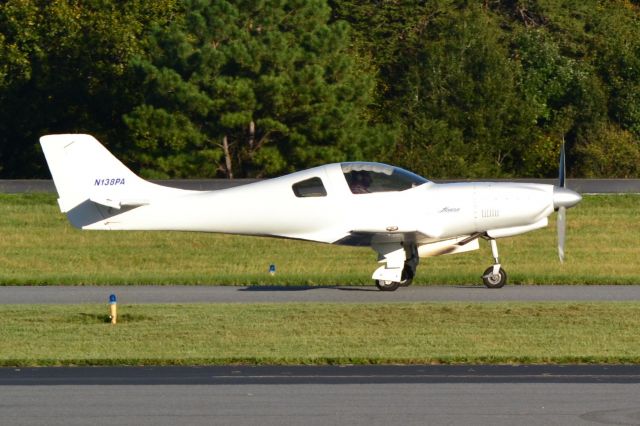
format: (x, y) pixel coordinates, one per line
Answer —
(494, 279)
(494, 276)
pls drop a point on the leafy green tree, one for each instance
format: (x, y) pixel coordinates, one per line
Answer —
(18, 44)
(447, 83)
(250, 88)
(461, 102)
(556, 88)
(616, 35)
(585, 57)
(493, 87)
(64, 68)
(449, 88)
(607, 151)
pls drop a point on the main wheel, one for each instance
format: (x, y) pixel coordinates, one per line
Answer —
(492, 280)
(385, 285)
(407, 277)
(405, 283)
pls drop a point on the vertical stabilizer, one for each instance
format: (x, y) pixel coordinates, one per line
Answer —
(86, 174)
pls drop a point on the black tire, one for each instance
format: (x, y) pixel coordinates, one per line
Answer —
(494, 281)
(407, 277)
(384, 285)
(406, 283)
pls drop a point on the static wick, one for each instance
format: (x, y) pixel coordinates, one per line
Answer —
(272, 269)
(113, 308)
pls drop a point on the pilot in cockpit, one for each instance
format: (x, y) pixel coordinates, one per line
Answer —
(360, 182)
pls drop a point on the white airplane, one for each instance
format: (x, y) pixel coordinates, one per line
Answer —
(402, 216)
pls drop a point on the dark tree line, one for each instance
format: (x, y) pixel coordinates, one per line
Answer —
(447, 88)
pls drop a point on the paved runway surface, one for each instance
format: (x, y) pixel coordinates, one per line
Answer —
(299, 374)
(418, 395)
(227, 294)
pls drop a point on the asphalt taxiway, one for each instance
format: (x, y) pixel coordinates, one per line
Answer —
(322, 294)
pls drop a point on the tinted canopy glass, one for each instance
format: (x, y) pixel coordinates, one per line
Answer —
(364, 178)
(309, 188)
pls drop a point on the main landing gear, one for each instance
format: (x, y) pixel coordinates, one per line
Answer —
(405, 280)
(400, 266)
(494, 276)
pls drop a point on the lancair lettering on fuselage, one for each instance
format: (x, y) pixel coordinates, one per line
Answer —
(450, 210)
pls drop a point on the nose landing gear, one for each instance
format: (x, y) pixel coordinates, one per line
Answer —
(494, 276)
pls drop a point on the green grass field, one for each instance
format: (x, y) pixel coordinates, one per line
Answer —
(404, 333)
(39, 247)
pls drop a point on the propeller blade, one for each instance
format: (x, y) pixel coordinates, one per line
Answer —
(562, 225)
(561, 177)
(571, 199)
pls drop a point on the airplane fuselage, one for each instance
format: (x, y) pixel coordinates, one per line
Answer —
(271, 208)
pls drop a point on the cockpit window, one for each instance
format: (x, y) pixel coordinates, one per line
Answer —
(364, 178)
(309, 188)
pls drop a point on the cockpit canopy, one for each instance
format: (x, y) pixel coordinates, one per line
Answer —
(365, 178)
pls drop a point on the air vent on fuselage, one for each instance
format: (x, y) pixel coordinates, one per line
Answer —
(490, 213)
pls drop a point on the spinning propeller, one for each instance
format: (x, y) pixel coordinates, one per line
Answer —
(563, 198)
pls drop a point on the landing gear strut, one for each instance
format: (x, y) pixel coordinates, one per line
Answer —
(494, 276)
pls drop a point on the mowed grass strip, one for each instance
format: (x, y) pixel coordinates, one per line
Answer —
(38, 246)
(199, 334)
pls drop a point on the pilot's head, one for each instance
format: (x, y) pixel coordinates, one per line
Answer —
(364, 178)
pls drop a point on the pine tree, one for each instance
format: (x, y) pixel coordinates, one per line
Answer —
(250, 88)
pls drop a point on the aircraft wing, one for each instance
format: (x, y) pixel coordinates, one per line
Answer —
(367, 238)
(427, 245)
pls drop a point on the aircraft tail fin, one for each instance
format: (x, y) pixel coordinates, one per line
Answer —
(85, 172)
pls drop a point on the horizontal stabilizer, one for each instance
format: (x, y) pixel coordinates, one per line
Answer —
(118, 204)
